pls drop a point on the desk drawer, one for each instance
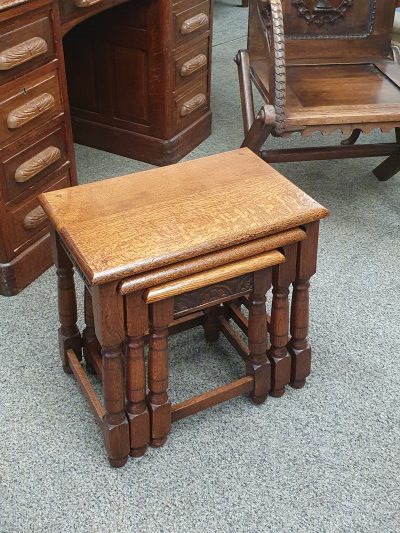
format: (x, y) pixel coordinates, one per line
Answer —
(32, 104)
(72, 8)
(191, 64)
(27, 221)
(191, 22)
(32, 166)
(26, 47)
(190, 105)
(71, 11)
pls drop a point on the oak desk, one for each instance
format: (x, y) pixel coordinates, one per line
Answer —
(138, 83)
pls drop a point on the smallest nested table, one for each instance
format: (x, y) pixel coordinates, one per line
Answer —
(169, 249)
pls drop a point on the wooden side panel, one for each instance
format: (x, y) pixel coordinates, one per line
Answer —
(338, 30)
(110, 62)
(79, 60)
(128, 81)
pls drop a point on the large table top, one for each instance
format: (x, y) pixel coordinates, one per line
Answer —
(135, 223)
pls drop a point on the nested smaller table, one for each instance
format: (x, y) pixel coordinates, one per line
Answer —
(169, 249)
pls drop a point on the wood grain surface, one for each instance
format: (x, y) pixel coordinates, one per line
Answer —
(212, 260)
(140, 222)
(7, 4)
(215, 275)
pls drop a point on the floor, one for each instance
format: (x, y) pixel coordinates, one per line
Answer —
(323, 459)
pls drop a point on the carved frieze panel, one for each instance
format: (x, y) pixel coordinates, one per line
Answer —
(322, 12)
(211, 295)
(329, 19)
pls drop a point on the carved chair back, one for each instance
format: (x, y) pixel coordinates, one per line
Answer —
(340, 30)
(290, 32)
(322, 65)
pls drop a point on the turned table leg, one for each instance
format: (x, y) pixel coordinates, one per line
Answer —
(138, 414)
(299, 348)
(282, 276)
(109, 324)
(89, 338)
(211, 324)
(258, 364)
(161, 314)
(69, 337)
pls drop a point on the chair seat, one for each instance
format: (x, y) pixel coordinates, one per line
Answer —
(326, 97)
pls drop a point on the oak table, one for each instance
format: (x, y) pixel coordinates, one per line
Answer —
(168, 249)
(129, 77)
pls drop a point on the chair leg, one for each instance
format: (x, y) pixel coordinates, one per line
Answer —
(396, 52)
(391, 166)
(352, 139)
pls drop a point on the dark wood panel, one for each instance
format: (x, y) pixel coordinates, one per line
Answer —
(359, 29)
(360, 17)
(130, 81)
(79, 56)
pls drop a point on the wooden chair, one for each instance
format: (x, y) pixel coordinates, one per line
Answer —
(321, 66)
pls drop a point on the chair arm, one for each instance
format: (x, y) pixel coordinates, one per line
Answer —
(395, 47)
(271, 18)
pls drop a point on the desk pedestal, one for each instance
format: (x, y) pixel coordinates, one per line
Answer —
(139, 79)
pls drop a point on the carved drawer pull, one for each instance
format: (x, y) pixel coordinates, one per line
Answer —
(21, 53)
(86, 3)
(194, 64)
(194, 23)
(194, 103)
(34, 218)
(36, 164)
(32, 109)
